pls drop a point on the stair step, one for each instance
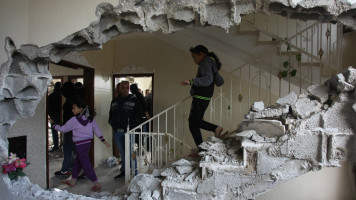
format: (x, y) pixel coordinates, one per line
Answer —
(315, 64)
(287, 53)
(274, 43)
(239, 32)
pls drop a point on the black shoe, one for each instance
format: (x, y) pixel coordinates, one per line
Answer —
(120, 175)
(60, 173)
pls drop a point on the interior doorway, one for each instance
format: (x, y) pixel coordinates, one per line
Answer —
(83, 79)
(145, 83)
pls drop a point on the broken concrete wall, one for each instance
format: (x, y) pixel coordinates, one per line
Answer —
(255, 161)
(129, 18)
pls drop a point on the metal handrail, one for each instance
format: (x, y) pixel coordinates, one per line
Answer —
(131, 131)
(160, 137)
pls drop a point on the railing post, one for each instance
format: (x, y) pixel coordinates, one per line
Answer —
(127, 158)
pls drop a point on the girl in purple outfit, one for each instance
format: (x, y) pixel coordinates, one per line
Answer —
(83, 125)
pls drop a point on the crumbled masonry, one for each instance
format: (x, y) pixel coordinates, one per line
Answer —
(254, 161)
(24, 78)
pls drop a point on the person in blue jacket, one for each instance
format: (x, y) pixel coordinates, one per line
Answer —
(202, 89)
(125, 112)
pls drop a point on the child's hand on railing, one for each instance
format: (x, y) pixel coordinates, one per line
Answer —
(107, 144)
(186, 82)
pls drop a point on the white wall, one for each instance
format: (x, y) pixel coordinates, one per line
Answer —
(326, 184)
(14, 22)
(41, 22)
(46, 21)
(35, 130)
(57, 70)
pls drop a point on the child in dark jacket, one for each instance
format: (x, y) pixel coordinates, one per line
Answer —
(202, 90)
(83, 125)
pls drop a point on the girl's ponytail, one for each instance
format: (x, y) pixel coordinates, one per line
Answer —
(89, 113)
(202, 49)
(217, 61)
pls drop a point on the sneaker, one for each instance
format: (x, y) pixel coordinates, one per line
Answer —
(60, 173)
(120, 175)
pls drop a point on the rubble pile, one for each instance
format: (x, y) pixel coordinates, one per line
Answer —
(324, 114)
(23, 189)
(273, 144)
(224, 152)
(144, 186)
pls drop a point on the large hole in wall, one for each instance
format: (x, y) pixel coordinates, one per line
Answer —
(125, 25)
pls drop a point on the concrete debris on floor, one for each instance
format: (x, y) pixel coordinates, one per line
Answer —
(273, 144)
(305, 133)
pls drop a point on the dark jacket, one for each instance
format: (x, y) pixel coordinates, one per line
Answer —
(54, 103)
(69, 93)
(203, 84)
(148, 101)
(134, 90)
(125, 111)
(67, 108)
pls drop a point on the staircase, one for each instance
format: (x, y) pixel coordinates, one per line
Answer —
(290, 56)
(296, 57)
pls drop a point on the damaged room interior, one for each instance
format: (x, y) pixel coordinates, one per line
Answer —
(284, 116)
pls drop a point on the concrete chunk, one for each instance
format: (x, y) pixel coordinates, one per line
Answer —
(267, 128)
(250, 134)
(146, 195)
(143, 182)
(290, 99)
(333, 81)
(344, 86)
(184, 169)
(338, 83)
(320, 92)
(246, 133)
(350, 75)
(156, 195)
(354, 107)
(269, 112)
(266, 163)
(340, 115)
(305, 107)
(258, 106)
(304, 147)
(182, 162)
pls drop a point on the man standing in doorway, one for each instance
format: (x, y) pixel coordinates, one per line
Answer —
(125, 113)
(148, 101)
(68, 146)
(54, 112)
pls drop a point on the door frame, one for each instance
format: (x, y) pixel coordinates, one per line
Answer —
(88, 82)
(134, 75)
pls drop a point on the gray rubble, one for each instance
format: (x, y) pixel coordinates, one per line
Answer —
(258, 106)
(266, 152)
(268, 128)
(24, 79)
(290, 99)
(320, 92)
(269, 112)
(304, 107)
